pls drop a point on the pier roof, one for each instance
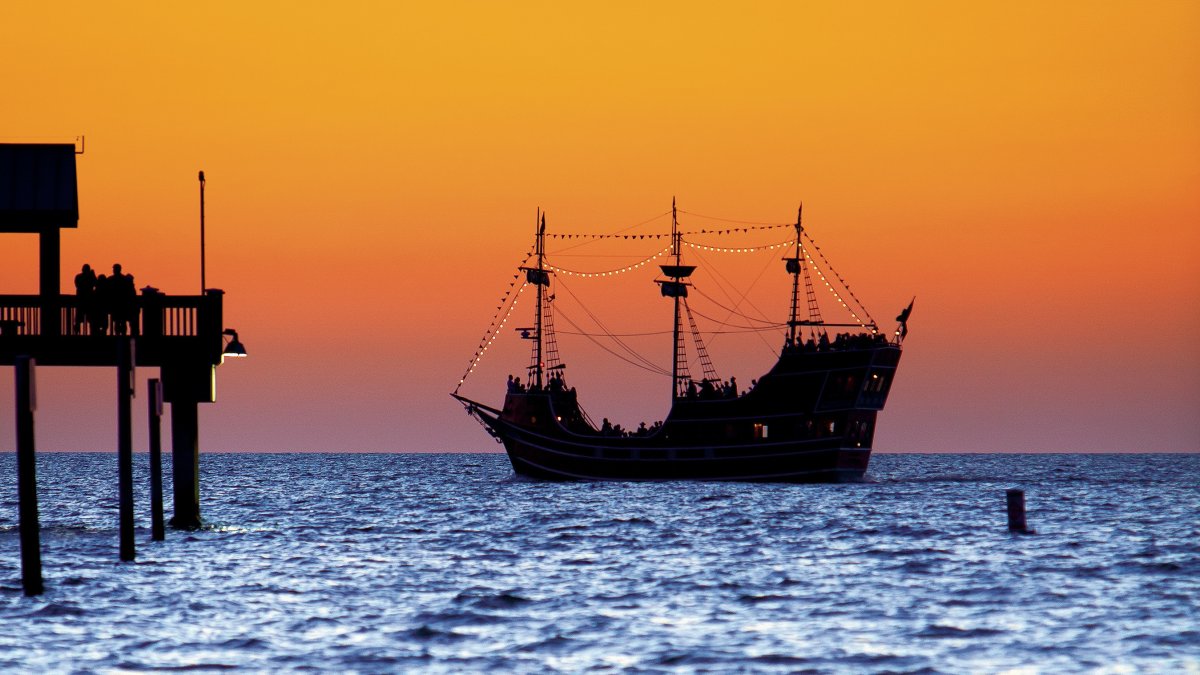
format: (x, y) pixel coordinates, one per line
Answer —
(38, 188)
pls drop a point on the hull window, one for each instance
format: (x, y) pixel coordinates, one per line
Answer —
(760, 431)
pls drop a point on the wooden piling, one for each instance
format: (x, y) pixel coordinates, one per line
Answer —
(125, 393)
(155, 406)
(185, 464)
(1016, 512)
(27, 504)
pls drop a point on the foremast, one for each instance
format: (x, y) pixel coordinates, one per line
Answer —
(796, 266)
(793, 267)
(538, 276)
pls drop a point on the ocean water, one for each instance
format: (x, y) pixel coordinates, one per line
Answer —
(448, 563)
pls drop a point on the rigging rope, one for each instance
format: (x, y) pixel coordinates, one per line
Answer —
(648, 364)
(650, 367)
(718, 277)
(741, 330)
(765, 226)
(733, 311)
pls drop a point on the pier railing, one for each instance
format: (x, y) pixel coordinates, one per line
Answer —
(68, 331)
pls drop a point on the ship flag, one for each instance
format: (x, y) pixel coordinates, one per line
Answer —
(903, 319)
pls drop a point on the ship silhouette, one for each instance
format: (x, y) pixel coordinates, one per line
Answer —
(810, 418)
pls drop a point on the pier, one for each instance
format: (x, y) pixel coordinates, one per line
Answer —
(183, 336)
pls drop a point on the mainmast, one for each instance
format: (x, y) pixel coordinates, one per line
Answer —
(676, 288)
(541, 279)
(678, 345)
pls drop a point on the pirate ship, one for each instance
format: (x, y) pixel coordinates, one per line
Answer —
(810, 418)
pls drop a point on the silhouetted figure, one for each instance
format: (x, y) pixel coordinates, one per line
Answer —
(132, 311)
(101, 306)
(85, 294)
(123, 302)
(606, 429)
(903, 319)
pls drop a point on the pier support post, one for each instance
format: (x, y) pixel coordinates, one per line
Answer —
(155, 409)
(185, 459)
(125, 392)
(1016, 512)
(49, 252)
(27, 505)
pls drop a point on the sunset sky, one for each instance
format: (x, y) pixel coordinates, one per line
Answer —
(1029, 171)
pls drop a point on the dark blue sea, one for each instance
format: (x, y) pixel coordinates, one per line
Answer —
(448, 563)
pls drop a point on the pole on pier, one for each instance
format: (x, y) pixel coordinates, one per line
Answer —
(202, 281)
(125, 392)
(31, 538)
(1016, 512)
(155, 405)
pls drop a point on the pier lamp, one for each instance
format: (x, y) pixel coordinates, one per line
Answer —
(234, 347)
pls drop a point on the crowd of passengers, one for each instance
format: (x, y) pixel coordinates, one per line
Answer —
(840, 341)
(554, 384)
(709, 390)
(609, 429)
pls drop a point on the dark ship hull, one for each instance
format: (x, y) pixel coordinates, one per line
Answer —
(810, 419)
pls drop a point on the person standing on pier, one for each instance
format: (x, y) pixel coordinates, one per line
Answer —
(85, 294)
(101, 306)
(122, 302)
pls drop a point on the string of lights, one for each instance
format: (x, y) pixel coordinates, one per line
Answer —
(493, 331)
(609, 273)
(664, 251)
(870, 322)
(739, 249)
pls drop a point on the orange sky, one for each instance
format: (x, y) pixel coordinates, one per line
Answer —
(1028, 170)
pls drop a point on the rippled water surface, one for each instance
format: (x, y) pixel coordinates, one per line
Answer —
(407, 562)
